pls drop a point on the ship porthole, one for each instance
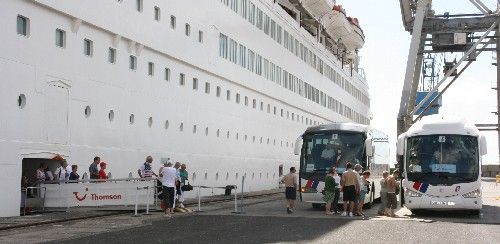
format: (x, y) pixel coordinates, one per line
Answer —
(166, 125)
(194, 129)
(253, 176)
(227, 175)
(236, 176)
(217, 176)
(206, 131)
(150, 122)
(87, 111)
(206, 175)
(194, 177)
(111, 115)
(21, 101)
(181, 127)
(131, 119)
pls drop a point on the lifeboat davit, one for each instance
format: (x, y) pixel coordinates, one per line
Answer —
(355, 39)
(317, 8)
(336, 23)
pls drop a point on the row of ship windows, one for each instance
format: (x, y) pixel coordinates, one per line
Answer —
(23, 28)
(157, 16)
(262, 21)
(21, 102)
(239, 54)
(133, 61)
(236, 176)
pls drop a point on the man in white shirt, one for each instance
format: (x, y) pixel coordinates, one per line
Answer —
(169, 178)
(61, 174)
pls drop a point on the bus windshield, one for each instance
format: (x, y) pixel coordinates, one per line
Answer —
(334, 148)
(442, 159)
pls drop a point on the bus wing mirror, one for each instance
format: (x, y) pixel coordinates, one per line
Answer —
(298, 146)
(400, 146)
(369, 147)
(483, 146)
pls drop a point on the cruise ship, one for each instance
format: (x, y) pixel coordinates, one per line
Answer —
(225, 86)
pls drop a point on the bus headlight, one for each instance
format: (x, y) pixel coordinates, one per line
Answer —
(413, 193)
(308, 190)
(473, 194)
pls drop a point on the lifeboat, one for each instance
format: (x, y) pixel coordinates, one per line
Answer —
(355, 39)
(336, 24)
(318, 8)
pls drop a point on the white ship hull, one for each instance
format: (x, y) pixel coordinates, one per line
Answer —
(59, 101)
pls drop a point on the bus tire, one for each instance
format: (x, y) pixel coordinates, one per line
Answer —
(316, 205)
(416, 211)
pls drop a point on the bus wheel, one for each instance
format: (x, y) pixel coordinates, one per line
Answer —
(416, 211)
(316, 205)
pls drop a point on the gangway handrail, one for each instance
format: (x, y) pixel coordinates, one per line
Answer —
(98, 180)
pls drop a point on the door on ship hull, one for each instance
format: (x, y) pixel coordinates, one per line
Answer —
(56, 117)
(33, 198)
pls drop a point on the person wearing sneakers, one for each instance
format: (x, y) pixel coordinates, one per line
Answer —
(350, 187)
(330, 186)
(290, 181)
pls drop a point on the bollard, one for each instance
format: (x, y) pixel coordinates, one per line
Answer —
(147, 201)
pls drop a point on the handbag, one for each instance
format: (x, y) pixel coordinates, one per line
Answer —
(187, 187)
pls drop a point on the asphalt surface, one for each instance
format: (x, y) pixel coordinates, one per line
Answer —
(259, 229)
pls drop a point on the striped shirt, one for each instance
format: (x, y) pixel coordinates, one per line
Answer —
(146, 170)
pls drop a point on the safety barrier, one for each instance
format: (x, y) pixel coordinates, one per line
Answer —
(148, 197)
(95, 193)
(216, 187)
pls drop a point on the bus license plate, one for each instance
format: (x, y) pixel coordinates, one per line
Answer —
(442, 203)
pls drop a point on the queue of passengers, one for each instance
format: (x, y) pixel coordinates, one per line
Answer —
(354, 185)
(68, 173)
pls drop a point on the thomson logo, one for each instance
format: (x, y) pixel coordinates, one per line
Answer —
(97, 197)
(79, 198)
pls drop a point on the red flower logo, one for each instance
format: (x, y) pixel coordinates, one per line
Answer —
(80, 198)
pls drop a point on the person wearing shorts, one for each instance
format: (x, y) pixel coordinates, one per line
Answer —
(392, 201)
(350, 187)
(169, 178)
(290, 181)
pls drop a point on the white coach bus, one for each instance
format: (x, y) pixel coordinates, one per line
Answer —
(324, 146)
(441, 164)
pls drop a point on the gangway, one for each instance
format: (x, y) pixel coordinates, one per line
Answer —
(466, 34)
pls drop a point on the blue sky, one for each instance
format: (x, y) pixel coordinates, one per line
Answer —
(384, 59)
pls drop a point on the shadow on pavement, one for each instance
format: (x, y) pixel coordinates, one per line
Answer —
(488, 215)
(222, 229)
